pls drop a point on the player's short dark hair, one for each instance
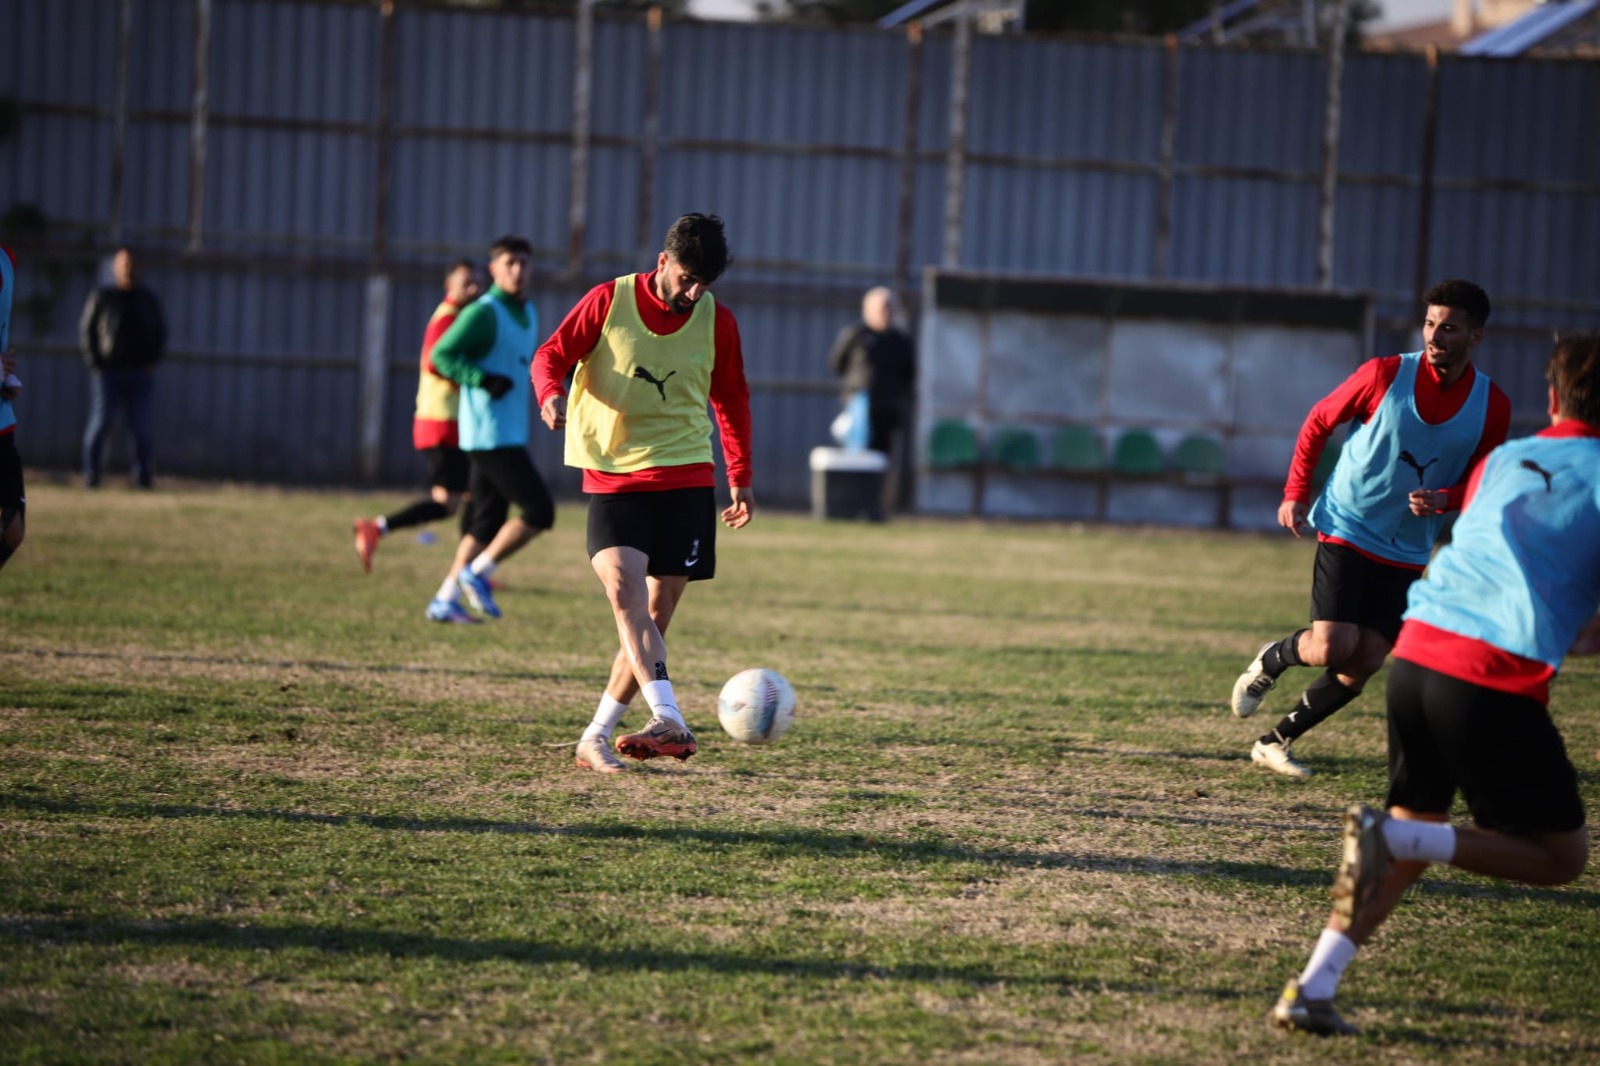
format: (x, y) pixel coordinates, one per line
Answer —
(460, 264)
(511, 244)
(1462, 295)
(697, 241)
(1574, 370)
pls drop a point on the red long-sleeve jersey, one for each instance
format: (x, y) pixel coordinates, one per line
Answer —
(579, 334)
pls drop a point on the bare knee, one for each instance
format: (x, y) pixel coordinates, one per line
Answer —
(450, 501)
(624, 592)
(1329, 645)
(15, 529)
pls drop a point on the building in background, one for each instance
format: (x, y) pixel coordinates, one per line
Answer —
(1501, 28)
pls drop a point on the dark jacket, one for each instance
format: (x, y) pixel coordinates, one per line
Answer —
(122, 329)
(884, 364)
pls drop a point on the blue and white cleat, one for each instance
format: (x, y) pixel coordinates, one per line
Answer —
(479, 594)
(451, 611)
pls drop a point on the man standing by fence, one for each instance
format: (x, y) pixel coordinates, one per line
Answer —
(123, 335)
(876, 359)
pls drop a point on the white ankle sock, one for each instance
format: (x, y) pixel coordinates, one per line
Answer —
(483, 566)
(663, 704)
(450, 592)
(383, 525)
(1320, 979)
(606, 717)
(1420, 841)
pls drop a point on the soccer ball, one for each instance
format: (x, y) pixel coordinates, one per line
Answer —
(756, 706)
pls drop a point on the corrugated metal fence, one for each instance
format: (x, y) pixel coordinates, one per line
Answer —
(297, 174)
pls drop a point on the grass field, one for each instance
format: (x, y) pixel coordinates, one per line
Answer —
(253, 808)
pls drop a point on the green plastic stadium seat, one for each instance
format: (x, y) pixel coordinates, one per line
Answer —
(1198, 458)
(1138, 452)
(1077, 449)
(1015, 449)
(951, 444)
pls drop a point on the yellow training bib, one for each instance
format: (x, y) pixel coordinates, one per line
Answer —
(639, 399)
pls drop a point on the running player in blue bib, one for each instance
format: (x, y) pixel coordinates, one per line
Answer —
(1424, 420)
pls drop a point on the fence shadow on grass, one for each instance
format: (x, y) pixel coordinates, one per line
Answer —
(315, 666)
(342, 940)
(819, 843)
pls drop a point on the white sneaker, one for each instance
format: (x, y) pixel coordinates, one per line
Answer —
(595, 754)
(1252, 685)
(1276, 757)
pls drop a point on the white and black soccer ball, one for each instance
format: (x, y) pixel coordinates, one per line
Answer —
(756, 706)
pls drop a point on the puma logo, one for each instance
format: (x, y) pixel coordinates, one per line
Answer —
(1529, 464)
(661, 385)
(1411, 461)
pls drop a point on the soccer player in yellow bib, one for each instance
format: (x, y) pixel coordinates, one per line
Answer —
(647, 352)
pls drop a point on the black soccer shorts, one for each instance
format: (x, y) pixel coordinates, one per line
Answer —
(13, 495)
(676, 528)
(1346, 586)
(448, 467)
(1502, 751)
(502, 477)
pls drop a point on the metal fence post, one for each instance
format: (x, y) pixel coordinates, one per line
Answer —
(375, 325)
(1329, 192)
(1430, 151)
(906, 217)
(374, 375)
(956, 151)
(119, 123)
(578, 179)
(1169, 151)
(199, 121)
(650, 136)
(384, 116)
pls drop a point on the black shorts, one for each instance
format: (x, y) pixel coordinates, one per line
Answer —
(502, 477)
(12, 495)
(448, 467)
(676, 528)
(1346, 586)
(1502, 751)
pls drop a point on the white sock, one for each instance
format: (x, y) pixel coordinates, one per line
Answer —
(663, 704)
(606, 717)
(450, 592)
(1320, 979)
(483, 566)
(1420, 841)
(383, 525)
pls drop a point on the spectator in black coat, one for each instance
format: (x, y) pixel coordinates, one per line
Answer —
(123, 335)
(878, 357)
